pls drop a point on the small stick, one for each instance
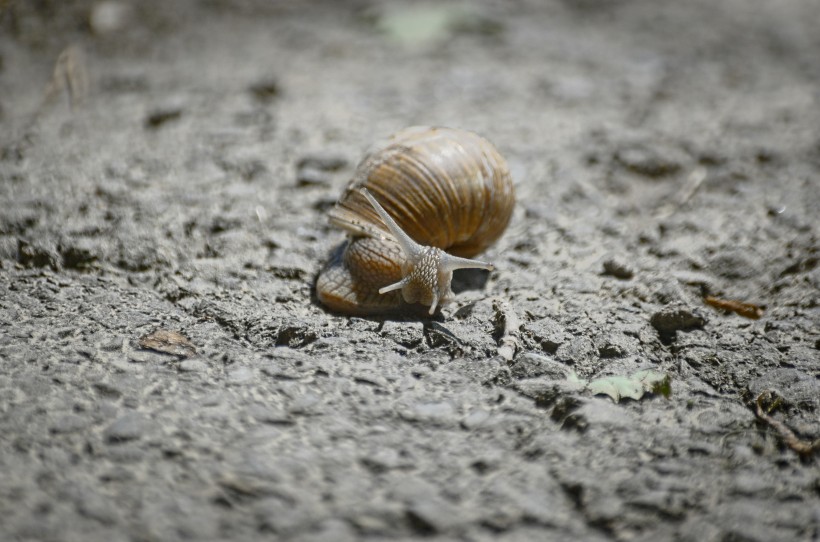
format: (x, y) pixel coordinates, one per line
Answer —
(747, 310)
(693, 182)
(508, 344)
(804, 448)
(70, 76)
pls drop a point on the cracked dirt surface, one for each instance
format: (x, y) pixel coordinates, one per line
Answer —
(661, 150)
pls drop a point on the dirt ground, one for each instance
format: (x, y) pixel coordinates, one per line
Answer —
(168, 166)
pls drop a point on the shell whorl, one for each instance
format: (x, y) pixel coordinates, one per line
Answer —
(446, 188)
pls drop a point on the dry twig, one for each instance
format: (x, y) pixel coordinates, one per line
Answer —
(747, 310)
(508, 343)
(804, 448)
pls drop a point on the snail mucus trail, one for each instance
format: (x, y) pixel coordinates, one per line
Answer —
(420, 205)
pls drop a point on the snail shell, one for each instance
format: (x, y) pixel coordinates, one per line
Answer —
(419, 204)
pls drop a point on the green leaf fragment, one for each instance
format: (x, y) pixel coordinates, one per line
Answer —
(417, 24)
(427, 23)
(655, 382)
(632, 387)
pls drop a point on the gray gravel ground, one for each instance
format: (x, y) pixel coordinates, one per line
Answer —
(662, 150)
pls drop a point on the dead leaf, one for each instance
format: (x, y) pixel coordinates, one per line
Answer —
(747, 310)
(168, 342)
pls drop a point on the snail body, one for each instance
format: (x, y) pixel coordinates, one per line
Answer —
(419, 205)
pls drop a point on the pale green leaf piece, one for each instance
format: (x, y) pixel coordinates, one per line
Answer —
(631, 387)
(655, 382)
(416, 24)
(428, 23)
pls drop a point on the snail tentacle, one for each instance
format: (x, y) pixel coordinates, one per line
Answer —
(428, 271)
(410, 247)
(451, 263)
(397, 286)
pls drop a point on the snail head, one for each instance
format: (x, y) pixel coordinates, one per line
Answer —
(427, 271)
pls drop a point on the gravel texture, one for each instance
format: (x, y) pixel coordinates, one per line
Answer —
(167, 374)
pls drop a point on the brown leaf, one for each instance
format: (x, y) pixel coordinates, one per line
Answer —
(168, 342)
(747, 310)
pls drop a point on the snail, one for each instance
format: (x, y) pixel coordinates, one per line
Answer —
(419, 205)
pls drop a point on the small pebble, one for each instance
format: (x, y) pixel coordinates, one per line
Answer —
(130, 426)
(109, 17)
(193, 366)
(531, 365)
(675, 317)
(547, 333)
(68, 423)
(476, 418)
(158, 117)
(429, 516)
(618, 269)
(240, 375)
(308, 176)
(265, 90)
(441, 412)
(322, 162)
(651, 161)
(304, 404)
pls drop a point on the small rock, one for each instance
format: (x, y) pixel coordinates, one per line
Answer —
(144, 357)
(265, 90)
(37, 255)
(305, 403)
(736, 263)
(432, 515)
(109, 389)
(694, 278)
(385, 459)
(475, 418)
(370, 379)
(295, 335)
(618, 269)
(676, 317)
(322, 161)
(601, 413)
(117, 474)
(487, 371)
(240, 375)
(435, 412)
(130, 426)
(546, 392)
(614, 346)
(578, 351)
(332, 529)
(68, 423)
(193, 366)
(94, 506)
(307, 176)
(271, 415)
(108, 17)
(651, 161)
(531, 365)
(8, 247)
(130, 453)
(547, 333)
(80, 252)
(407, 334)
(161, 116)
